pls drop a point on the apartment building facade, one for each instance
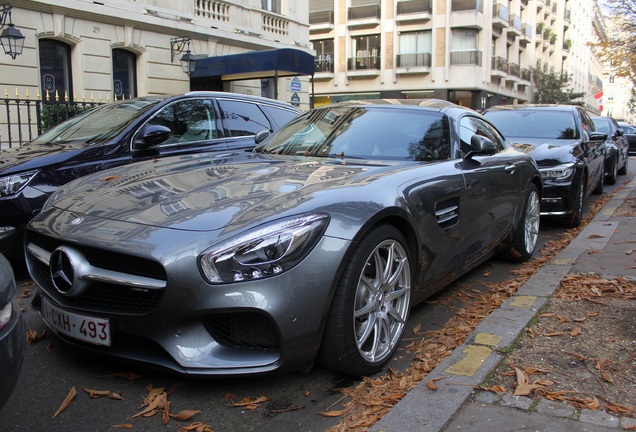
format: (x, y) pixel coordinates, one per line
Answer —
(79, 50)
(476, 53)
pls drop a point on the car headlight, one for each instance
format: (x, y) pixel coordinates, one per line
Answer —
(12, 184)
(558, 172)
(263, 252)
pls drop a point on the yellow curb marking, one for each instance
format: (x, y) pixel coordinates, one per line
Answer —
(474, 357)
(488, 339)
(523, 301)
(561, 261)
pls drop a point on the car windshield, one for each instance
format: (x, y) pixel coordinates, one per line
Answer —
(628, 129)
(602, 125)
(363, 132)
(548, 124)
(97, 124)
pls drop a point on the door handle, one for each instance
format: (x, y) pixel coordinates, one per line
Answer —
(510, 168)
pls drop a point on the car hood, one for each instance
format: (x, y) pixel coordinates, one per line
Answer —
(35, 156)
(199, 193)
(547, 152)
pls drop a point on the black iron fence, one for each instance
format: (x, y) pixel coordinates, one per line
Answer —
(22, 120)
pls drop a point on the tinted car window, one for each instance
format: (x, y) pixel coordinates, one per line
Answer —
(470, 126)
(189, 120)
(602, 125)
(280, 116)
(242, 118)
(367, 133)
(101, 123)
(550, 124)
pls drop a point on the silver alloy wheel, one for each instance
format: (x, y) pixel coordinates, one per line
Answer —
(382, 301)
(533, 217)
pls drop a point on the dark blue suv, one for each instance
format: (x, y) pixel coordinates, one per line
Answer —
(124, 132)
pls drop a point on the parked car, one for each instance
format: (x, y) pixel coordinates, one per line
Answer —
(565, 144)
(616, 148)
(629, 131)
(314, 246)
(12, 333)
(121, 133)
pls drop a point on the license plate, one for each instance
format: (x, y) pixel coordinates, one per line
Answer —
(85, 328)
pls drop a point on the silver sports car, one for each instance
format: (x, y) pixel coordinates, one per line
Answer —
(313, 247)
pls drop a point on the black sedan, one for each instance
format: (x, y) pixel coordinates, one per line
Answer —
(616, 146)
(12, 332)
(629, 131)
(121, 133)
(565, 144)
(315, 246)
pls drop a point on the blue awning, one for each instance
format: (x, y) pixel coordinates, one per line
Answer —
(256, 64)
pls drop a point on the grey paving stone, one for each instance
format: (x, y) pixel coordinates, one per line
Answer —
(557, 409)
(600, 418)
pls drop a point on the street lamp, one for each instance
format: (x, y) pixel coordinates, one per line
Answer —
(11, 39)
(188, 61)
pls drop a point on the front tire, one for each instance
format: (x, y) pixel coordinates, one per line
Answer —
(623, 169)
(371, 304)
(527, 231)
(610, 178)
(576, 217)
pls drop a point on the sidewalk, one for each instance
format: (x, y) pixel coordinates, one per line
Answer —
(456, 406)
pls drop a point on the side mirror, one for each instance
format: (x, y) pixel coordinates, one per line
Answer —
(481, 145)
(598, 136)
(260, 136)
(154, 134)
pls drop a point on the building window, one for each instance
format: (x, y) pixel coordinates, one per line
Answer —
(271, 5)
(366, 52)
(324, 55)
(610, 95)
(124, 74)
(55, 69)
(462, 5)
(611, 78)
(415, 49)
(464, 47)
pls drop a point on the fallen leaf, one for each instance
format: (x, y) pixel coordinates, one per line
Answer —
(184, 415)
(336, 413)
(109, 178)
(196, 427)
(249, 403)
(294, 408)
(123, 426)
(575, 332)
(67, 401)
(431, 383)
(495, 389)
(33, 336)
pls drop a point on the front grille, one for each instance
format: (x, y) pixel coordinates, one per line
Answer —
(243, 330)
(101, 297)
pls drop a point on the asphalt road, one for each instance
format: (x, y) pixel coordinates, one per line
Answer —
(294, 400)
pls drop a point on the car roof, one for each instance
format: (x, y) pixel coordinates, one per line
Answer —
(430, 104)
(214, 94)
(554, 107)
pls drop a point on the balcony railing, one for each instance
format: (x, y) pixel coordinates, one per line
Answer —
(500, 12)
(463, 5)
(324, 63)
(215, 10)
(363, 62)
(414, 6)
(526, 74)
(515, 22)
(472, 57)
(513, 69)
(321, 17)
(365, 11)
(567, 16)
(275, 24)
(414, 60)
(500, 64)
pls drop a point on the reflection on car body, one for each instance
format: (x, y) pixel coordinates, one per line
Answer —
(124, 132)
(569, 151)
(314, 246)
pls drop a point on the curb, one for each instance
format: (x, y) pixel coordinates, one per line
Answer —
(471, 363)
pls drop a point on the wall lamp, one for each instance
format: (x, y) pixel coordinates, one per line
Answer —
(188, 61)
(11, 39)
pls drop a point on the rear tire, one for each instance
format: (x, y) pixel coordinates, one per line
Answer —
(371, 304)
(623, 169)
(527, 231)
